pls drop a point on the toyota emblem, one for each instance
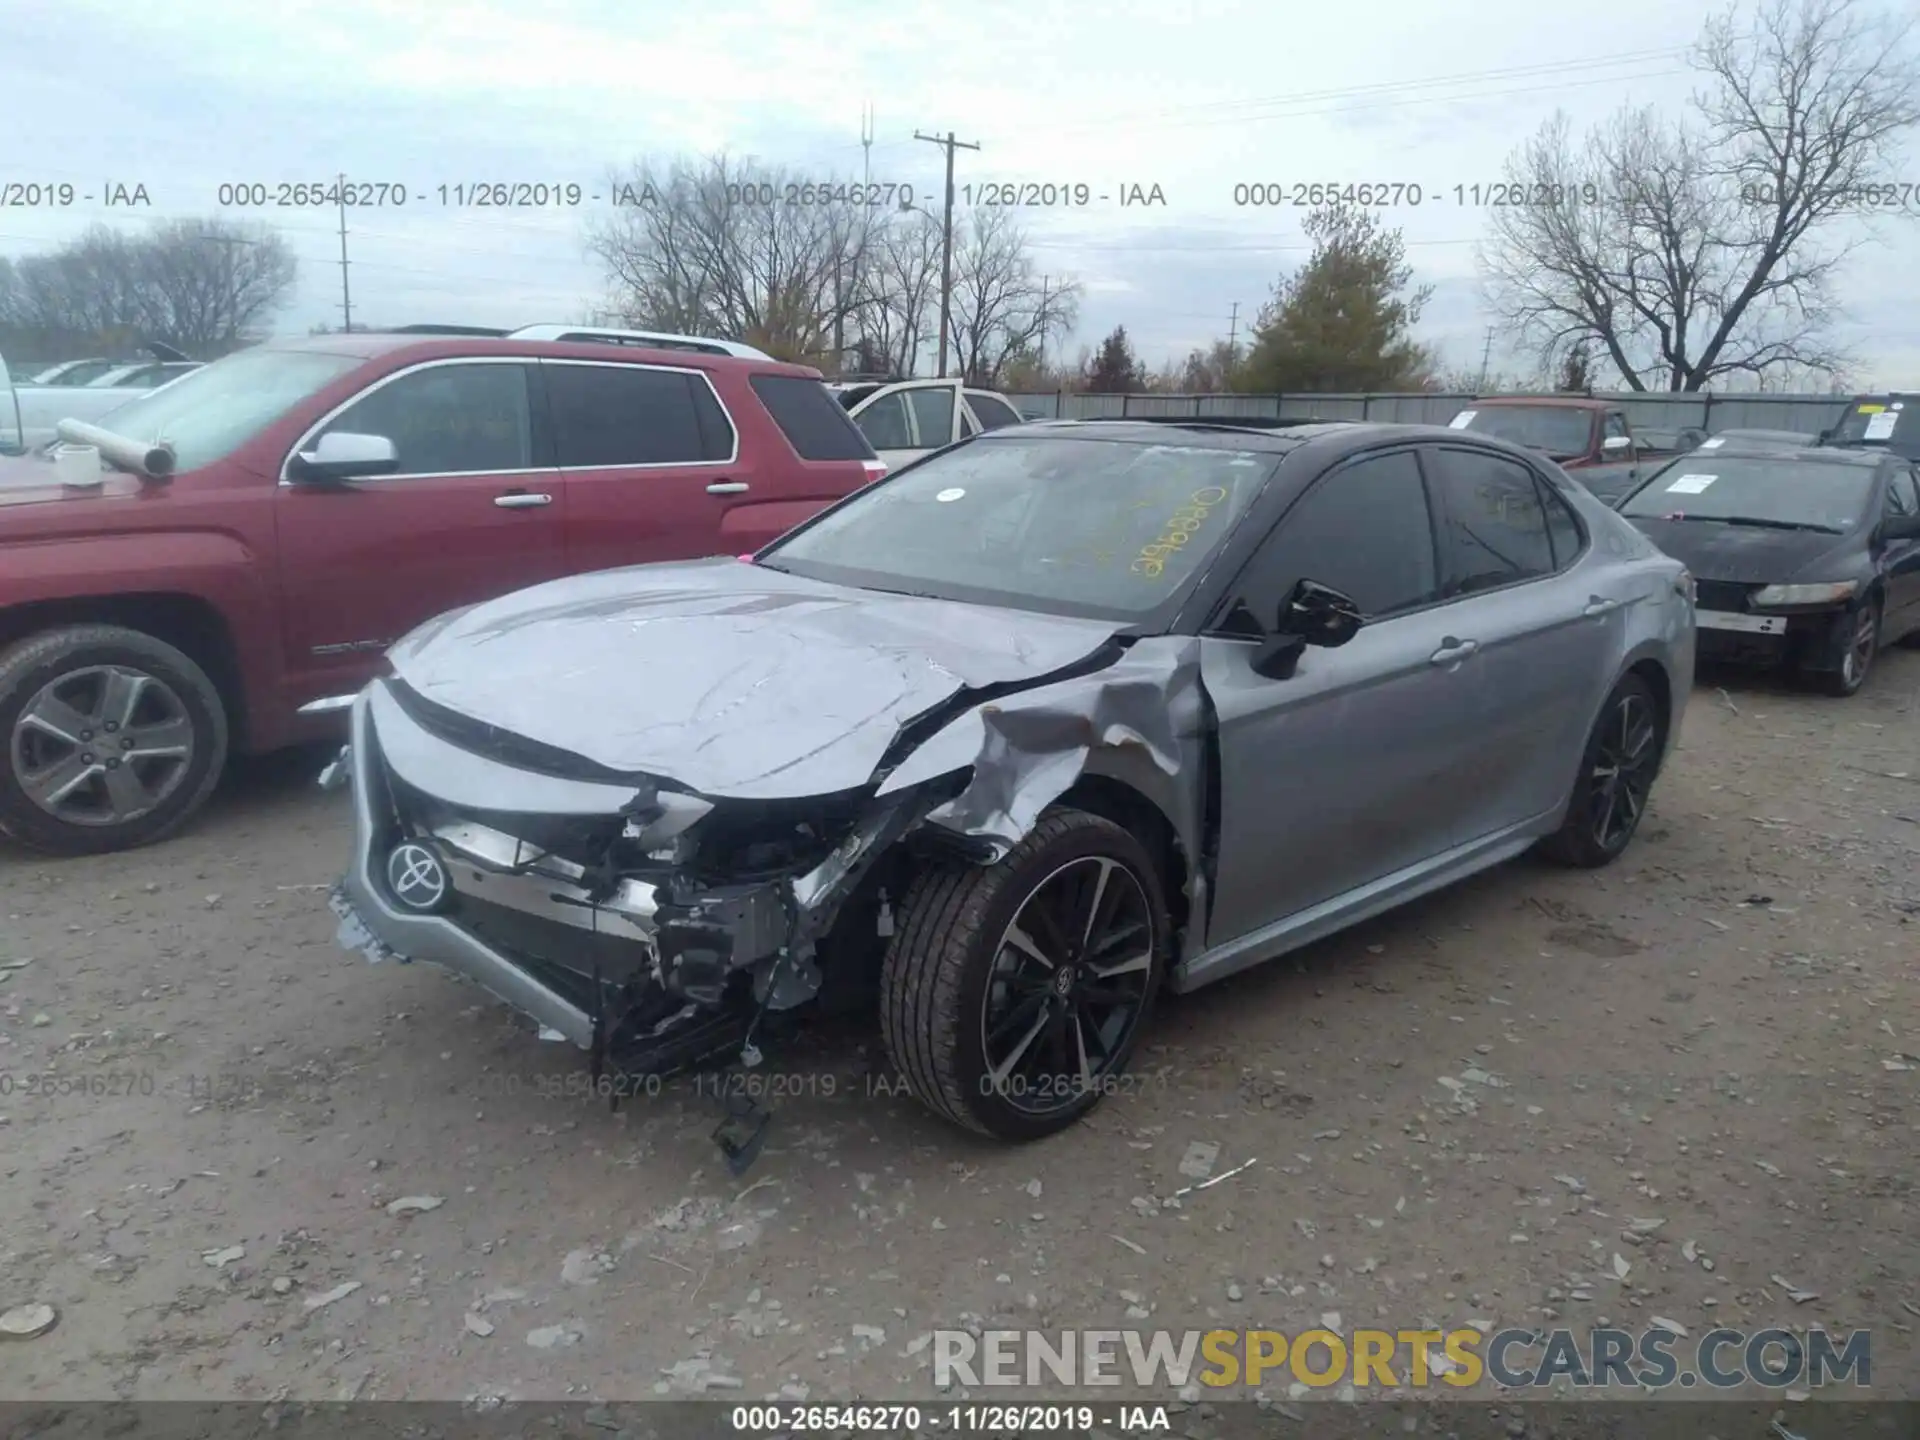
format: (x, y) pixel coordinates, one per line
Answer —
(416, 877)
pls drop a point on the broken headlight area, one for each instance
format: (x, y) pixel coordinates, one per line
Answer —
(673, 926)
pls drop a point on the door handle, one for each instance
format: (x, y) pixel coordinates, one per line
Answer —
(1601, 605)
(1453, 652)
(727, 487)
(521, 500)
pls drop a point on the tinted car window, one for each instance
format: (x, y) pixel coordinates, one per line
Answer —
(885, 423)
(1903, 493)
(610, 415)
(1562, 528)
(1493, 528)
(991, 411)
(933, 416)
(1365, 530)
(447, 419)
(810, 418)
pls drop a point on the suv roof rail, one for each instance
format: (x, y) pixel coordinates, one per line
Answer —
(649, 339)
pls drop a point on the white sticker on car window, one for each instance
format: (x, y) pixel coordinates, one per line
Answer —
(1462, 420)
(1880, 427)
(1714, 444)
(947, 497)
(1691, 484)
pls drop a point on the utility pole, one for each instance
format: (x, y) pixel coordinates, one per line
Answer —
(1041, 361)
(949, 144)
(1486, 357)
(346, 298)
(1233, 333)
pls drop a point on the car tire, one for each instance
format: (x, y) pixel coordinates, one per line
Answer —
(1863, 646)
(958, 993)
(1617, 768)
(147, 699)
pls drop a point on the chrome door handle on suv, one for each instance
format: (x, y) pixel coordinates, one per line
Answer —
(727, 487)
(521, 500)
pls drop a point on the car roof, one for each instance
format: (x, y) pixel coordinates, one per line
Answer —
(1802, 454)
(371, 345)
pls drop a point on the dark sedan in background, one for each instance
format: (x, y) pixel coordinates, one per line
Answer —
(1804, 558)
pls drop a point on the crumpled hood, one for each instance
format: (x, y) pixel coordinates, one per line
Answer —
(727, 678)
(1746, 554)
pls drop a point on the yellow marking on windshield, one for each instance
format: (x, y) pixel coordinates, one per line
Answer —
(1182, 525)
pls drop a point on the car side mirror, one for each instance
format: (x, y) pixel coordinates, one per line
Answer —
(1313, 614)
(1616, 442)
(1901, 527)
(341, 455)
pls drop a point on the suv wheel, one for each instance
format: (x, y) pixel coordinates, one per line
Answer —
(1615, 780)
(112, 739)
(1012, 995)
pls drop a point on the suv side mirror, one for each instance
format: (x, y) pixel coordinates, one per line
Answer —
(1901, 527)
(1616, 442)
(1314, 614)
(341, 455)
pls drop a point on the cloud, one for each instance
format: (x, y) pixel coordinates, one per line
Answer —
(193, 94)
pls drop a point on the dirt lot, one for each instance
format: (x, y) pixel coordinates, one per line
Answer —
(1711, 1033)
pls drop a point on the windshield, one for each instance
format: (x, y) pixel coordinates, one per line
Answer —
(208, 413)
(1113, 529)
(1791, 493)
(1561, 432)
(1872, 422)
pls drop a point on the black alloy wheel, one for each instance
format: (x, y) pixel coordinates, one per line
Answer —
(1617, 771)
(1013, 995)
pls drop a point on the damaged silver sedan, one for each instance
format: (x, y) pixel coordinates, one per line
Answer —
(1011, 740)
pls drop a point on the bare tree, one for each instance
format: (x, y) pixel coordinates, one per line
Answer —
(901, 284)
(208, 286)
(757, 253)
(1701, 250)
(204, 286)
(1000, 309)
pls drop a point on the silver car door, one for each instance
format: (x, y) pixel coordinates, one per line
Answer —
(909, 419)
(1350, 769)
(1550, 617)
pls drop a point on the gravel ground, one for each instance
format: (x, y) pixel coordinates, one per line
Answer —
(1453, 1113)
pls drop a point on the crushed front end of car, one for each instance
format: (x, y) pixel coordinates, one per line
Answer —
(658, 915)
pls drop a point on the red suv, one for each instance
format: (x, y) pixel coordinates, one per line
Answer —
(274, 521)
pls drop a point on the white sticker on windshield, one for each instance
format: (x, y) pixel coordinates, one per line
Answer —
(1880, 427)
(1691, 484)
(1462, 420)
(1714, 444)
(947, 497)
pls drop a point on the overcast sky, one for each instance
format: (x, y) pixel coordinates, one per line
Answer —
(1195, 98)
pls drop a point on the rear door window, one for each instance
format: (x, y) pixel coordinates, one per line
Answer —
(932, 416)
(615, 415)
(887, 424)
(810, 418)
(990, 410)
(1494, 528)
